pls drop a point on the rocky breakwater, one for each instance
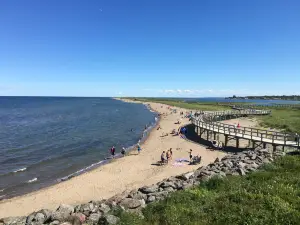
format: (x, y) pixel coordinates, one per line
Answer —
(106, 211)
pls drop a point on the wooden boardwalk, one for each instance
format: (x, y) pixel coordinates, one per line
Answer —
(209, 122)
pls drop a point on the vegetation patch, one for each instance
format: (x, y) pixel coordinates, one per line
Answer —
(269, 196)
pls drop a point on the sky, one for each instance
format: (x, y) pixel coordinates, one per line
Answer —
(157, 48)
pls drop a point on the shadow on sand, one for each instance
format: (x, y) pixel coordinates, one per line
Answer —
(192, 136)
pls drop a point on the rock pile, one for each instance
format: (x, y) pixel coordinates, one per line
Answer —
(104, 211)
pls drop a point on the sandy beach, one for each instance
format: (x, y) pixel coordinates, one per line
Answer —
(130, 172)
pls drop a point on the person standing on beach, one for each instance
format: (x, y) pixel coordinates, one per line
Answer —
(113, 151)
(139, 148)
(123, 151)
(171, 153)
(191, 156)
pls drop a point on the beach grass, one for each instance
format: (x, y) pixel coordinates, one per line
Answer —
(268, 196)
(286, 119)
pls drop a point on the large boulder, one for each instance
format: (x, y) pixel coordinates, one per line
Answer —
(104, 208)
(186, 176)
(62, 213)
(130, 203)
(150, 189)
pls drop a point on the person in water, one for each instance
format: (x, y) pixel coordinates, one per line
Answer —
(113, 151)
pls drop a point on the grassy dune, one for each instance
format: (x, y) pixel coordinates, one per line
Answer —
(270, 196)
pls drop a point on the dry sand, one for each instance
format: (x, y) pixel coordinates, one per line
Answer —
(123, 174)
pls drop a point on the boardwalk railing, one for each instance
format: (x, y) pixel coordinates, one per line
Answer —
(209, 121)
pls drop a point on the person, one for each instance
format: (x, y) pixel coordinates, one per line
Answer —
(191, 156)
(112, 151)
(171, 153)
(162, 157)
(168, 156)
(123, 151)
(139, 148)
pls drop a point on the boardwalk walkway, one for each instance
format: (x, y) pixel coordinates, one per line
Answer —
(209, 122)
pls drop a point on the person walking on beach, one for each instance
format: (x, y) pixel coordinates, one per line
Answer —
(171, 153)
(123, 151)
(139, 148)
(113, 151)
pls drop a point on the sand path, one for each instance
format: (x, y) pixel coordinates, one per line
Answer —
(123, 174)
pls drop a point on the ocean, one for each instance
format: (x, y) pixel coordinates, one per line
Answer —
(45, 140)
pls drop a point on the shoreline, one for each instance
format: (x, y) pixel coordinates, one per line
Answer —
(116, 176)
(142, 138)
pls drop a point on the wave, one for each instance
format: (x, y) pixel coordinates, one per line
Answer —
(81, 171)
(1, 190)
(20, 170)
(33, 180)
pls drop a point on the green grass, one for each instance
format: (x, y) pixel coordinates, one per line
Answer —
(270, 196)
(287, 119)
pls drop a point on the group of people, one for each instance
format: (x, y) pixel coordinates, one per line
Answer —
(123, 151)
(166, 156)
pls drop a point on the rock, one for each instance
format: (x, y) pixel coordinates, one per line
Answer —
(30, 218)
(148, 190)
(55, 222)
(143, 203)
(104, 208)
(169, 189)
(168, 184)
(151, 198)
(253, 157)
(66, 208)
(14, 220)
(94, 218)
(62, 212)
(185, 176)
(241, 171)
(130, 203)
(160, 194)
(40, 218)
(74, 220)
(108, 219)
(81, 216)
(117, 198)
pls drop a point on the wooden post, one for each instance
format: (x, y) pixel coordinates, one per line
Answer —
(215, 134)
(274, 147)
(237, 142)
(226, 140)
(201, 131)
(207, 134)
(264, 145)
(253, 144)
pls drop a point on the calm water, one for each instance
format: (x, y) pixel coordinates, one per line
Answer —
(44, 140)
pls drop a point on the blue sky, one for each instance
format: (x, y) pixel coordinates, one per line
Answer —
(192, 48)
